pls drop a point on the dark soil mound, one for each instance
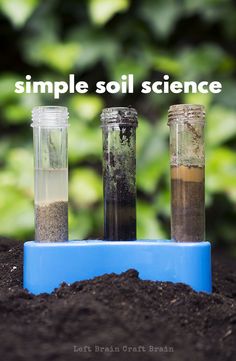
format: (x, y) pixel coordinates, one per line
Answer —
(116, 316)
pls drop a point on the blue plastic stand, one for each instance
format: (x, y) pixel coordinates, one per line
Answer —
(47, 265)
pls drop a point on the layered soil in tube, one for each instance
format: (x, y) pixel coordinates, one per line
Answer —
(187, 203)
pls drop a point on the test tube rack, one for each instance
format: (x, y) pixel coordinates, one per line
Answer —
(48, 264)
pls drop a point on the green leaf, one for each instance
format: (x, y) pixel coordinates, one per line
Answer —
(152, 157)
(101, 11)
(148, 226)
(221, 172)
(209, 9)
(167, 64)
(20, 165)
(204, 99)
(59, 56)
(127, 65)
(7, 86)
(18, 11)
(95, 45)
(5, 146)
(227, 97)
(15, 113)
(86, 107)
(221, 125)
(201, 63)
(84, 141)
(85, 187)
(80, 223)
(161, 16)
(16, 107)
(163, 199)
(17, 214)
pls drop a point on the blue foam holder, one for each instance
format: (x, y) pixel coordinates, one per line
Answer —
(47, 265)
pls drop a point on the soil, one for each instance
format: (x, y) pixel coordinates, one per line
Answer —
(119, 167)
(187, 203)
(116, 316)
(51, 221)
(120, 219)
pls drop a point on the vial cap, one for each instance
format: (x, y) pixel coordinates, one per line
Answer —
(116, 116)
(50, 116)
(194, 113)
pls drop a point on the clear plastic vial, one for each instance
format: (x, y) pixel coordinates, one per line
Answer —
(119, 173)
(187, 160)
(51, 173)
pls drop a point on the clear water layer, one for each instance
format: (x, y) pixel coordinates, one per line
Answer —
(51, 185)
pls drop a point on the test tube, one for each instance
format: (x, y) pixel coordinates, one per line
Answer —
(51, 173)
(187, 160)
(119, 173)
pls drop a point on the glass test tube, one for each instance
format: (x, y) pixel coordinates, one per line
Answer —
(119, 173)
(51, 173)
(187, 160)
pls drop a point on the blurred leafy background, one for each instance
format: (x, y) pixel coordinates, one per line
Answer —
(101, 40)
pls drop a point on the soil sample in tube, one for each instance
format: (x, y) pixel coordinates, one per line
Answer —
(51, 205)
(51, 220)
(51, 173)
(120, 190)
(119, 173)
(188, 203)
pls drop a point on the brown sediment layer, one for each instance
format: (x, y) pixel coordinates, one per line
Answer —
(51, 221)
(188, 204)
(188, 174)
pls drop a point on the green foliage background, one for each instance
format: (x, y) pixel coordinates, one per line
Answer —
(101, 40)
